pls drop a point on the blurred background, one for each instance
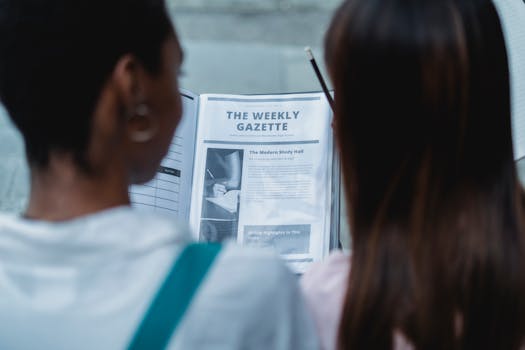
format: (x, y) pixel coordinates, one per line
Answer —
(250, 46)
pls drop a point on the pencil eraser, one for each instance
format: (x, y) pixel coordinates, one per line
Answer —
(309, 53)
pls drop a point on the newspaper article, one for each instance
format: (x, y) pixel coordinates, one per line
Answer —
(262, 173)
(170, 190)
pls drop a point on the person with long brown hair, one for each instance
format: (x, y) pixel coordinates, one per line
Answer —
(423, 124)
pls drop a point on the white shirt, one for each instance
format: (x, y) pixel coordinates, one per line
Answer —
(86, 284)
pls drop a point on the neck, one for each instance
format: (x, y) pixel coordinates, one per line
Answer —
(62, 191)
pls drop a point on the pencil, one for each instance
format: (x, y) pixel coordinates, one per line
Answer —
(310, 55)
(209, 172)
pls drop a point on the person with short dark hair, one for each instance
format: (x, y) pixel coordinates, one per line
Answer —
(423, 124)
(92, 87)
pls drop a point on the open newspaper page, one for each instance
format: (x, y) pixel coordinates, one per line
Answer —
(170, 190)
(263, 173)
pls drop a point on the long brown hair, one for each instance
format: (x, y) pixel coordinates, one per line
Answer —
(422, 117)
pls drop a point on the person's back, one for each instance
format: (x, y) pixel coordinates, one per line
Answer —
(92, 87)
(86, 283)
(423, 121)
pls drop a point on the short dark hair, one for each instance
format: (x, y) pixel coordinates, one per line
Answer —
(56, 55)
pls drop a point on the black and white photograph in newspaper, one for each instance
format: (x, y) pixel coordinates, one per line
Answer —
(221, 193)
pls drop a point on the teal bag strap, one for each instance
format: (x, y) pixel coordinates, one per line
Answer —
(174, 297)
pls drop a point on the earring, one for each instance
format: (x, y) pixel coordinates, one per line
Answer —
(142, 111)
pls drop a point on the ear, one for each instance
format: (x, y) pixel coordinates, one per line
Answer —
(117, 98)
(128, 80)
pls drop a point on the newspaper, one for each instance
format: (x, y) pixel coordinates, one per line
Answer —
(170, 190)
(254, 169)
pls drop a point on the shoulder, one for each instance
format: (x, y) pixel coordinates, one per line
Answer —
(112, 230)
(325, 284)
(154, 223)
(250, 300)
(331, 273)
(125, 216)
(246, 260)
(257, 273)
(324, 287)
